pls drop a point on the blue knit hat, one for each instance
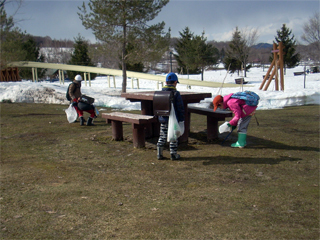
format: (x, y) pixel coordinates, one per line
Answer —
(172, 77)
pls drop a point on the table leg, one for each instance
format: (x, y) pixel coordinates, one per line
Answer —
(212, 128)
(147, 109)
(185, 136)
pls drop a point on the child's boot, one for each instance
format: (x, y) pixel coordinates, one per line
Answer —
(89, 122)
(81, 121)
(160, 152)
(241, 143)
(175, 156)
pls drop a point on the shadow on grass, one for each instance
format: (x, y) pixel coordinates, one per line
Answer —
(38, 114)
(259, 143)
(239, 160)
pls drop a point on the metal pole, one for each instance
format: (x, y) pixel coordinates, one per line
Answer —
(305, 74)
(171, 61)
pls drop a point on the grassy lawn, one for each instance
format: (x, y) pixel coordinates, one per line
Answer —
(66, 181)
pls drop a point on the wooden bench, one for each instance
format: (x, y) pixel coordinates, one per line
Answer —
(212, 119)
(298, 73)
(240, 81)
(138, 121)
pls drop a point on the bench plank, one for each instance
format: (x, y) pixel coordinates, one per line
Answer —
(138, 121)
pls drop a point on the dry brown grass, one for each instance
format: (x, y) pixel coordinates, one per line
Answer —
(63, 181)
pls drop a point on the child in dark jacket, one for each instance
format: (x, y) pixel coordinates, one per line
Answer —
(75, 94)
(171, 83)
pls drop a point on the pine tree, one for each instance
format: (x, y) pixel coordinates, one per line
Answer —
(80, 56)
(186, 53)
(184, 49)
(17, 45)
(291, 59)
(32, 53)
(205, 54)
(194, 54)
(11, 39)
(121, 22)
(236, 55)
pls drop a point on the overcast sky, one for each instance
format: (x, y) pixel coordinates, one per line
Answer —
(59, 19)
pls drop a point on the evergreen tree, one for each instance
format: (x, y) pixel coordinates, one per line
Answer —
(205, 54)
(80, 56)
(222, 54)
(194, 54)
(236, 54)
(11, 39)
(185, 53)
(32, 53)
(290, 58)
(136, 66)
(121, 22)
(17, 45)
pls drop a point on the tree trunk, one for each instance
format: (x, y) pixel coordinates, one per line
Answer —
(123, 58)
(202, 70)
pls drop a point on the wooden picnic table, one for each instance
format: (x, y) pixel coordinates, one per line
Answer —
(146, 99)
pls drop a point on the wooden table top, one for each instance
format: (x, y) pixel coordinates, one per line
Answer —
(190, 97)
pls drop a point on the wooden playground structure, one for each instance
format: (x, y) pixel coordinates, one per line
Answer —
(10, 75)
(277, 64)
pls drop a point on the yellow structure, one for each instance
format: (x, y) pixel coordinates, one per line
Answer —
(110, 72)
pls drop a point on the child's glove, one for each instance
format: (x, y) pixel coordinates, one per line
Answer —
(75, 103)
(232, 127)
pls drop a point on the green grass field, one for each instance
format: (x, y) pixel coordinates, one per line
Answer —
(66, 181)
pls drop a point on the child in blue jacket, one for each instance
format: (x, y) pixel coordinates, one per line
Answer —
(171, 83)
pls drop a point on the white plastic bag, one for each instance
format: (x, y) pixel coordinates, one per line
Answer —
(71, 114)
(181, 124)
(224, 128)
(174, 129)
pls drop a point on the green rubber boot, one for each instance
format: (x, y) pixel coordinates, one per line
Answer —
(241, 143)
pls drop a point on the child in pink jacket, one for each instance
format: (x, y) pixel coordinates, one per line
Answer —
(242, 116)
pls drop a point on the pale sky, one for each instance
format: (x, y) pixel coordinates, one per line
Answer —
(59, 19)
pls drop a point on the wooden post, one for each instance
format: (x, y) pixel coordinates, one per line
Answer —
(270, 79)
(85, 78)
(276, 81)
(33, 77)
(267, 74)
(89, 77)
(36, 72)
(277, 62)
(281, 65)
(59, 71)
(62, 75)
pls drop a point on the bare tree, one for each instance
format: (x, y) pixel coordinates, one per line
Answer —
(239, 48)
(249, 37)
(311, 35)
